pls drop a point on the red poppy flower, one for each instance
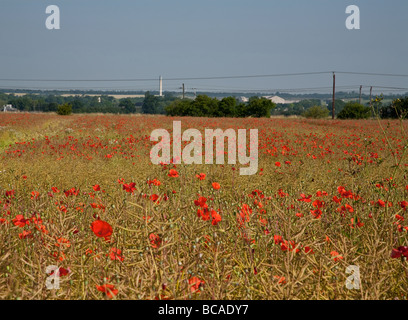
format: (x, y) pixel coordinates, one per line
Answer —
(309, 250)
(318, 204)
(101, 229)
(316, 213)
(304, 198)
(129, 187)
(155, 240)
(10, 193)
(404, 204)
(71, 192)
(336, 256)
(55, 190)
(34, 195)
(96, 187)
(25, 234)
(281, 280)
(62, 272)
(195, 284)
(115, 254)
(204, 214)
(349, 208)
(108, 289)
(173, 173)
(215, 217)
(381, 203)
(201, 176)
(358, 224)
(401, 251)
(20, 221)
(277, 239)
(289, 246)
(154, 197)
(245, 213)
(201, 202)
(345, 208)
(216, 185)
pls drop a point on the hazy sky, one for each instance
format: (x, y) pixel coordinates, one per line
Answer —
(131, 39)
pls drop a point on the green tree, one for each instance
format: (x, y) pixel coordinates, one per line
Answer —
(204, 106)
(354, 110)
(338, 106)
(307, 103)
(179, 107)
(23, 103)
(227, 107)
(127, 105)
(150, 104)
(64, 109)
(316, 112)
(78, 105)
(51, 107)
(397, 109)
(259, 107)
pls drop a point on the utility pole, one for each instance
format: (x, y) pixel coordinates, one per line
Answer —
(359, 100)
(371, 92)
(183, 91)
(334, 93)
(160, 86)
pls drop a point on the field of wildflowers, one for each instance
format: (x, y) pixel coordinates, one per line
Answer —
(81, 193)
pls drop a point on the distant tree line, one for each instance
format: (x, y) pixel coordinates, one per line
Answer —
(288, 96)
(80, 104)
(397, 109)
(301, 107)
(205, 106)
(313, 108)
(149, 104)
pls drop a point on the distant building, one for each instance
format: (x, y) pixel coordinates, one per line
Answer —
(243, 99)
(292, 101)
(276, 99)
(9, 108)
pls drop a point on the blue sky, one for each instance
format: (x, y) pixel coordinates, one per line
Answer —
(125, 39)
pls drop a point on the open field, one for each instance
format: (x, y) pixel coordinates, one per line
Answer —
(80, 192)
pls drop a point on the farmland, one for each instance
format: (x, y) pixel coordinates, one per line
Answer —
(80, 192)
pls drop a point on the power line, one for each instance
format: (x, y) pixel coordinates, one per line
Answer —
(207, 78)
(374, 74)
(169, 79)
(392, 88)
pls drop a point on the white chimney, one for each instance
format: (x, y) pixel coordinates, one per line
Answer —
(160, 86)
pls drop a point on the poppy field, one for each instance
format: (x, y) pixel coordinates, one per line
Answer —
(81, 193)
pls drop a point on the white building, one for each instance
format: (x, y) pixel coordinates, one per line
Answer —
(9, 108)
(276, 99)
(243, 99)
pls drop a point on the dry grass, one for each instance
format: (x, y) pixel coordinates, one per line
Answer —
(235, 261)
